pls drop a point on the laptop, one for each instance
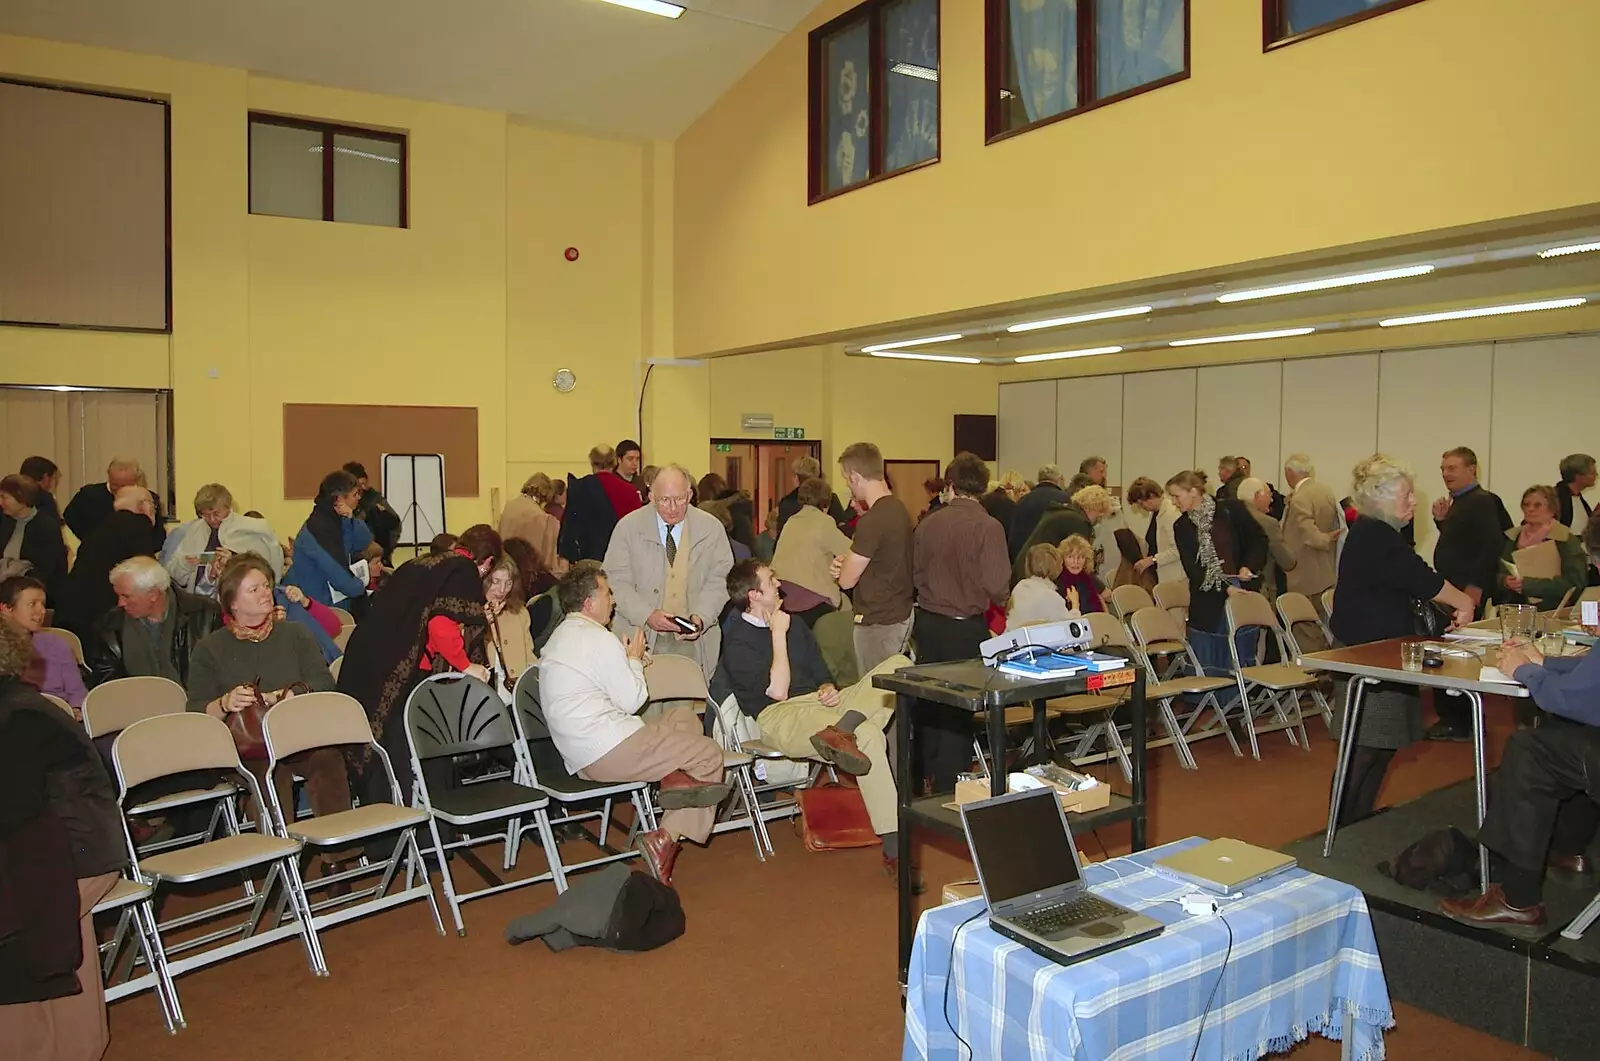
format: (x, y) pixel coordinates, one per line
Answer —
(1028, 868)
(1226, 865)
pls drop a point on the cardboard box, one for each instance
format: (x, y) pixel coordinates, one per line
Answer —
(956, 891)
(1074, 802)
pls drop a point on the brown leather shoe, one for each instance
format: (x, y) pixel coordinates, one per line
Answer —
(836, 746)
(680, 791)
(659, 852)
(1577, 865)
(1490, 910)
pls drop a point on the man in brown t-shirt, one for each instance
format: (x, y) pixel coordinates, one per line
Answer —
(877, 569)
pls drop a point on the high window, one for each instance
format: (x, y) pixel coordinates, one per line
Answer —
(327, 172)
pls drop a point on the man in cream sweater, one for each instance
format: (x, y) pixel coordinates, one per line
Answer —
(592, 686)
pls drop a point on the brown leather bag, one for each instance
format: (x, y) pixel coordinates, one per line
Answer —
(834, 817)
(248, 735)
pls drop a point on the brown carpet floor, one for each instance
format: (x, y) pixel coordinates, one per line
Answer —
(791, 959)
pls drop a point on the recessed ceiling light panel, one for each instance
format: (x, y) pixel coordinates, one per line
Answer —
(652, 7)
(953, 358)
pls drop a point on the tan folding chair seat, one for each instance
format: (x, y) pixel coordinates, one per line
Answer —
(227, 854)
(131, 900)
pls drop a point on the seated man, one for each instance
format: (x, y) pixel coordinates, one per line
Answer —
(153, 629)
(1542, 808)
(773, 668)
(592, 687)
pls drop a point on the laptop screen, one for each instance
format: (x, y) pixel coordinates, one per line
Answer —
(1021, 846)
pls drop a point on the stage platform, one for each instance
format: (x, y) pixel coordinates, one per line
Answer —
(1541, 994)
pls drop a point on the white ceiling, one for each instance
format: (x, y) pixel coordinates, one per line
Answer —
(579, 64)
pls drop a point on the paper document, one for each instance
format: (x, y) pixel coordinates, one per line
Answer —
(1492, 674)
(358, 569)
(1537, 561)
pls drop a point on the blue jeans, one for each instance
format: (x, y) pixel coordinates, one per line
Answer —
(1211, 649)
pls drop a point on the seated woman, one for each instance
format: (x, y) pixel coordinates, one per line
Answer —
(534, 583)
(258, 654)
(1037, 598)
(510, 648)
(194, 554)
(27, 539)
(329, 542)
(1088, 505)
(803, 560)
(1080, 587)
(22, 600)
(1539, 524)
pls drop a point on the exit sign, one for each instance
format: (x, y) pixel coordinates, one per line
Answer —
(789, 432)
(722, 447)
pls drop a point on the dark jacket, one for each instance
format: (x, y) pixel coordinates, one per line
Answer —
(102, 648)
(1564, 498)
(613, 908)
(1055, 526)
(999, 504)
(86, 592)
(375, 511)
(92, 505)
(789, 504)
(588, 521)
(43, 547)
(1239, 542)
(1470, 539)
(1029, 511)
(1380, 574)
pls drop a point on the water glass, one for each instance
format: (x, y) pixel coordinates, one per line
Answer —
(1411, 655)
(1518, 623)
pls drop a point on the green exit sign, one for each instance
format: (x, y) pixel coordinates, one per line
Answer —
(789, 432)
(722, 447)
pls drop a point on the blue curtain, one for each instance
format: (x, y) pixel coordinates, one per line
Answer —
(911, 42)
(1044, 45)
(1302, 15)
(848, 121)
(1136, 42)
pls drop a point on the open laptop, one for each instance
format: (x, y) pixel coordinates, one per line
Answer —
(1028, 867)
(1225, 865)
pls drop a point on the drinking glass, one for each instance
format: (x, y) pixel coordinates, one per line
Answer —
(1411, 655)
(1518, 623)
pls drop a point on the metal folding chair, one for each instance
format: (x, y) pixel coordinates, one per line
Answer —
(1279, 684)
(1297, 608)
(771, 771)
(72, 640)
(62, 704)
(131, 901)
(1173, 597)
(1159, 634)
(1123, 601)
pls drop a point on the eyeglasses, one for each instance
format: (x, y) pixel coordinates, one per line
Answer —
(673, 501)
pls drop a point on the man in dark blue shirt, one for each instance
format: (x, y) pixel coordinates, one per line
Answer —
(1542, 810)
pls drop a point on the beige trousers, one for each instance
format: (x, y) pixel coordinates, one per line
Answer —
(789, 724)
(71, 1028)
(675, 741)
(874, 644)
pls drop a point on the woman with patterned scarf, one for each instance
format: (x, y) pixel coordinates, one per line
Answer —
(428, 618)
(1221, 547)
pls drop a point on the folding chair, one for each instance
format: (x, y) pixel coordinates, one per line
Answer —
(321, 720)
(1590, 593)
(346, 620)
(450, 715)
(131, 900)
(333, 668)
(170, 744)
(1159, 634)
(1279, 682)
(1123, 601)
(1173, 597)
(62, 704)
(342, 638)
(72, 640)
(1327, 603)
(113, 706)
(1297, 608)
(771, 772)
(540, 766)
(672, 677)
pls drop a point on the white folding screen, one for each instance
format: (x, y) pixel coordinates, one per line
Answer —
(1330, 413)
(1158, 422)
(1239, 415)
(1543, 409)
(1025, 430)
(1089, 423)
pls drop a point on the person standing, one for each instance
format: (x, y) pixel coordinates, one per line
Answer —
(1220, 545)
(373, 509)
(960, 568)
(43, 471)
(527, 516)
(593, 506)
(877, 569)
(1312, 526)
(1256, 497)
(1577, 475)
(93, 504)
(630, 468)
(1046, 494)
(86, 592)
(790, 503)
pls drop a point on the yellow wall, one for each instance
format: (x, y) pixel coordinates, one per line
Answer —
(1386, 128)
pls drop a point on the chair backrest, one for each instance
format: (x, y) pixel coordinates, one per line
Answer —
(1247, 608)
(115, 705)
(1107, 630)
(315, 720)
(170, 744)
(1170, 595)
(342, 638)
(1297, 608)
(1123, 601)
(1592, 593)
(70, 638)
(62, 704)
(544, 758)
(345, 618)
(1160, 634)
(544, 615)
(671, 677)
(1327, 601)
(333, 668)
(454, 714)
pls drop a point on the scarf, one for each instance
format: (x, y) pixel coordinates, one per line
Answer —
(1202, 517)
(327, 527)
(250, 633)
(13, 545)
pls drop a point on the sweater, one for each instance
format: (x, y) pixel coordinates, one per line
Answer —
(317, 574)
(1566, 686)
(745, 669)
(1468, 550)
(223, 662)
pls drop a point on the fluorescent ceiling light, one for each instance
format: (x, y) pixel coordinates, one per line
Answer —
(654, 7)
(1281, 333)
(903, 343)
(1081, 318)
(1060, 354)
(1573, 248)
(927, 73)
(1483, 311)
(927, 357)
(1323, 285)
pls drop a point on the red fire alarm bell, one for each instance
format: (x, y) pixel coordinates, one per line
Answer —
(572, 254)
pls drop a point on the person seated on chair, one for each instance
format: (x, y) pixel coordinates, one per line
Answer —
(1542, 813)
(55, 671)
(154, 628)
(591, 687)
(1037, 598)
(510, 641)
(775, 672)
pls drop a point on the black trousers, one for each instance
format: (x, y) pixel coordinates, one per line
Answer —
(1542, 799)
(943, 734)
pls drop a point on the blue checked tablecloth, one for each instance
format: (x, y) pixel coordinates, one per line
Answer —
(1304, 960)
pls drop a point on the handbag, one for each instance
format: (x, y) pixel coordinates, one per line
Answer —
(834, 817)
(1426, 618)
(249, 737)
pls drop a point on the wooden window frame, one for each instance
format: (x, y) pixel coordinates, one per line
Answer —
(816, 158)
(996, 45)
(329, 130)
(1274, 16)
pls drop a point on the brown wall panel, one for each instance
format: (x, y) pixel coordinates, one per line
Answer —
(319, 438)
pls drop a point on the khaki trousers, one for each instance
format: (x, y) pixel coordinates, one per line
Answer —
(675, 741)
(789, 724)
(71, 1028)
(874, 644)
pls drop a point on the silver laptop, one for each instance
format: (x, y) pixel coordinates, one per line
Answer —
(1028, 867)
(1225, 865)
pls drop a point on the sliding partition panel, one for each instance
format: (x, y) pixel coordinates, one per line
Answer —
(1089, 423)
(1026, 427)
(1239, 414)
(1158, 424)
(1431, 400)
(1543, 408)
(1330, 413)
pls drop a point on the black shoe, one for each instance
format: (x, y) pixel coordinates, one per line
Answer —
(1443, 731)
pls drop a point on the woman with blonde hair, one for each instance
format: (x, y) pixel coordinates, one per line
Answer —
(1037, 598)
(510, 641)
(1221, 547)
(527, 516)
(1080, 586)
(1087, 507)
(1001, 502)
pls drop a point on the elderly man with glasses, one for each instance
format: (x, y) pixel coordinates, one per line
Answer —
(668, 568)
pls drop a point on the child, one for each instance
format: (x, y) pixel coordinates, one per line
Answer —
(1036, 599)
(1078, 582)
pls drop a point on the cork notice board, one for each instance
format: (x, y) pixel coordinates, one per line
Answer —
(317, 439)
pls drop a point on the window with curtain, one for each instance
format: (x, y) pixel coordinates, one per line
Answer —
(1291, 20)
(1050, 59)
(327, 172)
(874, 94)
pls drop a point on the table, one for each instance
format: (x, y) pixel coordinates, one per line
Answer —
(971, 686)
(1379, 661)
(1304, 960)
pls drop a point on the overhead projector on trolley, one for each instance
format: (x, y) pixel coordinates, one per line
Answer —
(1028, 641)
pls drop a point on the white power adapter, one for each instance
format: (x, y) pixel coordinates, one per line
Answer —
(1197, 904)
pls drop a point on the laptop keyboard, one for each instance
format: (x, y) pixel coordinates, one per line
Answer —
(1049, 920)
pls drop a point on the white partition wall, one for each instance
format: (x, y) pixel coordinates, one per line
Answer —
(1025, 428)
(1543, 408)
(1089, 423)
(1239, 414)
(1158, 418)
(1330, 413)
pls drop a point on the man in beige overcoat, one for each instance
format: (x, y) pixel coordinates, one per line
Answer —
(1312, 523)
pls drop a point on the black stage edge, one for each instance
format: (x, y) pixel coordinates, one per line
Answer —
(1541, 994)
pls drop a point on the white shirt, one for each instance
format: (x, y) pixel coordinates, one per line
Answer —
(590, 690)
(662, 530)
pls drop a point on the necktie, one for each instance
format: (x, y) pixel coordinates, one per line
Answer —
(672, 547)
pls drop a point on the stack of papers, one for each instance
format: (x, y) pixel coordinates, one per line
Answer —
(1097, 661)
(1493, 674)
(1040, 662)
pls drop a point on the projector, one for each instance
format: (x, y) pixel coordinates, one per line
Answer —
(1071, 633)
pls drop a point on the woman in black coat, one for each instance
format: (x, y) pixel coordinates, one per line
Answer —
(38, 541)
(1222, 548)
